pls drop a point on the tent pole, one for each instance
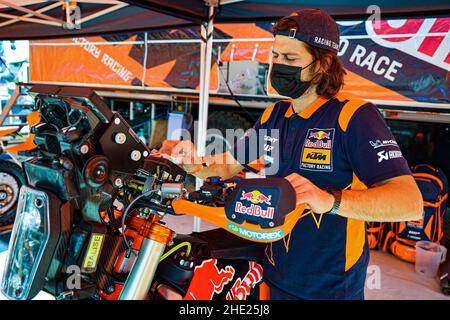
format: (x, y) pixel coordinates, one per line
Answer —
(28, 11)
(28, 15)
(9, 104)
(103, 12)
(205, 72)
(33, 20)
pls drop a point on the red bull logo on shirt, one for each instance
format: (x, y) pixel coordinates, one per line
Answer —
(319, 135)
(319, 138)
(319, 144)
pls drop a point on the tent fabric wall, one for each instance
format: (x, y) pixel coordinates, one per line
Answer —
(383, 69)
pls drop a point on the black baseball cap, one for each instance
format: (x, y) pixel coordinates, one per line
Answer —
(315, 27)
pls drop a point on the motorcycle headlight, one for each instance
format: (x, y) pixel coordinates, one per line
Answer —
(28, 255)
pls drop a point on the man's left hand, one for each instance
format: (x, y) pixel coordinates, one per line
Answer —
(318, 200)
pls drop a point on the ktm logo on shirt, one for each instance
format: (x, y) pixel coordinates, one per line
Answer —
(320, 156)
(316, 156)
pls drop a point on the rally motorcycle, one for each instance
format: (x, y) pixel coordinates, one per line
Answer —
(90, 219)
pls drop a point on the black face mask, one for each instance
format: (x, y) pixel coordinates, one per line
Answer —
(286, 80)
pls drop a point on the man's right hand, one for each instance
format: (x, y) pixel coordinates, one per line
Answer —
(182, 153)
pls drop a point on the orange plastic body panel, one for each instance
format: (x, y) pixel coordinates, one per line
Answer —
(264, 291)
(217, 216)
(33, 118)
(5, 132)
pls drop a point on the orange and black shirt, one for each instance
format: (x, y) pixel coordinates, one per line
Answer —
(340, 143)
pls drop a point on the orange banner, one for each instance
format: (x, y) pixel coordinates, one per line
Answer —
(94, 60)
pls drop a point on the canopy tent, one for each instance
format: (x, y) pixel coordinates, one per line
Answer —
(36, 19)
(28, 19)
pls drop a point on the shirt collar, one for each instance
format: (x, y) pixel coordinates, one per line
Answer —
(309, 110)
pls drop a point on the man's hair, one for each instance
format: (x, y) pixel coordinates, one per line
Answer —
(330, 76)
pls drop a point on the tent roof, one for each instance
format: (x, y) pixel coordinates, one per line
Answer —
(250, 10)
(17, 22)
(35, 19)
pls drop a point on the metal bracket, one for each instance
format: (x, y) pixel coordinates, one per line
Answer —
(64, 295)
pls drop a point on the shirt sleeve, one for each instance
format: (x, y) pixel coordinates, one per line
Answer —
(371, 148)
(249, 149)
(259, 147)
